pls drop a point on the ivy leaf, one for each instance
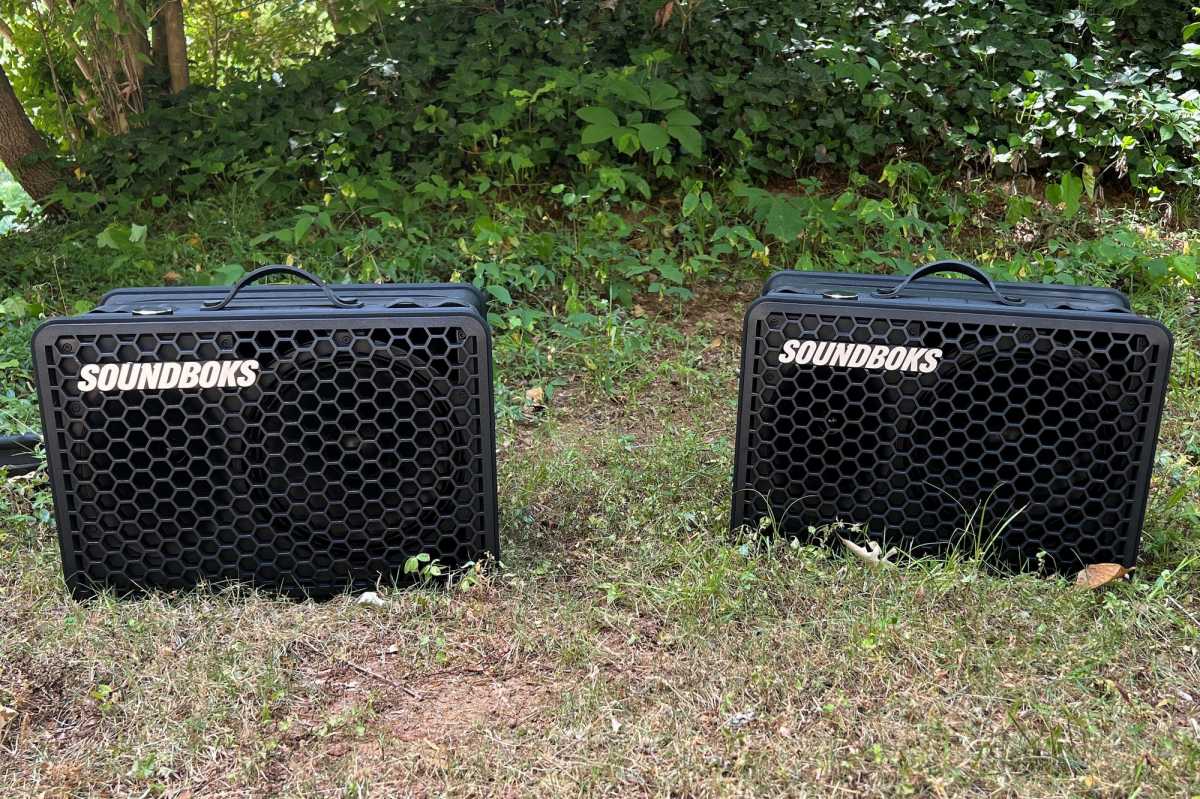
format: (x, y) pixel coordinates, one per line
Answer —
(599, 115)
(652, 137)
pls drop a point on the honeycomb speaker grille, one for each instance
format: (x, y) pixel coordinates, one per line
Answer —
(357, 448)
(1030, 442)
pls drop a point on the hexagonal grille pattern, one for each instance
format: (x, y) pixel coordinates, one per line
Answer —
(356, 449)
(1045, 425)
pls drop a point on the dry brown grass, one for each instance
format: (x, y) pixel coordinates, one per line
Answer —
(627, 648)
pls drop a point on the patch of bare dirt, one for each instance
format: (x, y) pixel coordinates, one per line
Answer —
(450, 705)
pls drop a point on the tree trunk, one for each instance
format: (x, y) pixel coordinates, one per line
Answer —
(19, 141)
(135, 52)
(172, 12)
(6, 33)
(159, 42)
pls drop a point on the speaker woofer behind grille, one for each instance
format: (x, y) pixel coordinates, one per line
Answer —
(359, 446)
(1043, 418)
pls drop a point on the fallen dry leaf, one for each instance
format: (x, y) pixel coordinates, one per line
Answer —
(872, 554)
(536, 397)
(1099, 574)
(663, 15)
(371, 598)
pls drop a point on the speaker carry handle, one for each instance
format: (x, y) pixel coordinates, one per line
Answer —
(958, 267)
(281, 269)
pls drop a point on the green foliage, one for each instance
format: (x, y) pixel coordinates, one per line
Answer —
(232, 40)
(569, 164)
(520, 96)
(13, 200)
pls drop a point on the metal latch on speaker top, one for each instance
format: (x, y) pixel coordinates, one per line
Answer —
(152, 310)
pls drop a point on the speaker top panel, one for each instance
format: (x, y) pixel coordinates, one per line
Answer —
(185, 300)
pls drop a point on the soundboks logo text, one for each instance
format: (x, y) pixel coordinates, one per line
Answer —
(162, 376)
(865, 356)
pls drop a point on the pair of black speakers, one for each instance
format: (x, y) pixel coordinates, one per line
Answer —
(315, 439)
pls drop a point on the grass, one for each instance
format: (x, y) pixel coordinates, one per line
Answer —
(628, 646)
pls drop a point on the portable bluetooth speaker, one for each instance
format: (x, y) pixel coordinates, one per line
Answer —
(306, 439)
(1014, 419)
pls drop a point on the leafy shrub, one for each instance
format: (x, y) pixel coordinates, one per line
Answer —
(521, 95)
(13, 200)
(569, 163)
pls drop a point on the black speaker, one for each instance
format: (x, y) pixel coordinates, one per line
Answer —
(304, 439)
(1016, 420)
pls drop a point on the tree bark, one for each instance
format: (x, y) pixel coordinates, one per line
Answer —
(158, 35)
(6, 33)
(20, 142)
(135, 51)
(177, 62)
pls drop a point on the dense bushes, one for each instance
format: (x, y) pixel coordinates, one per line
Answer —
(571, 163)
(733, 89)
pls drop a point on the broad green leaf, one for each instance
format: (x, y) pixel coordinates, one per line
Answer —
(1070, 190)
(682, 118)
(593, 134)
(690, 203)
(500, 293)
(784, 221)
(1185, 266)
(688, 138)
(228, 273)
(627, 140)
(669, 271)
(630, 92)
(652, 137)
(14, 307)
(1089, 182)
(302, 226)
(599, 115)
(664, 96)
